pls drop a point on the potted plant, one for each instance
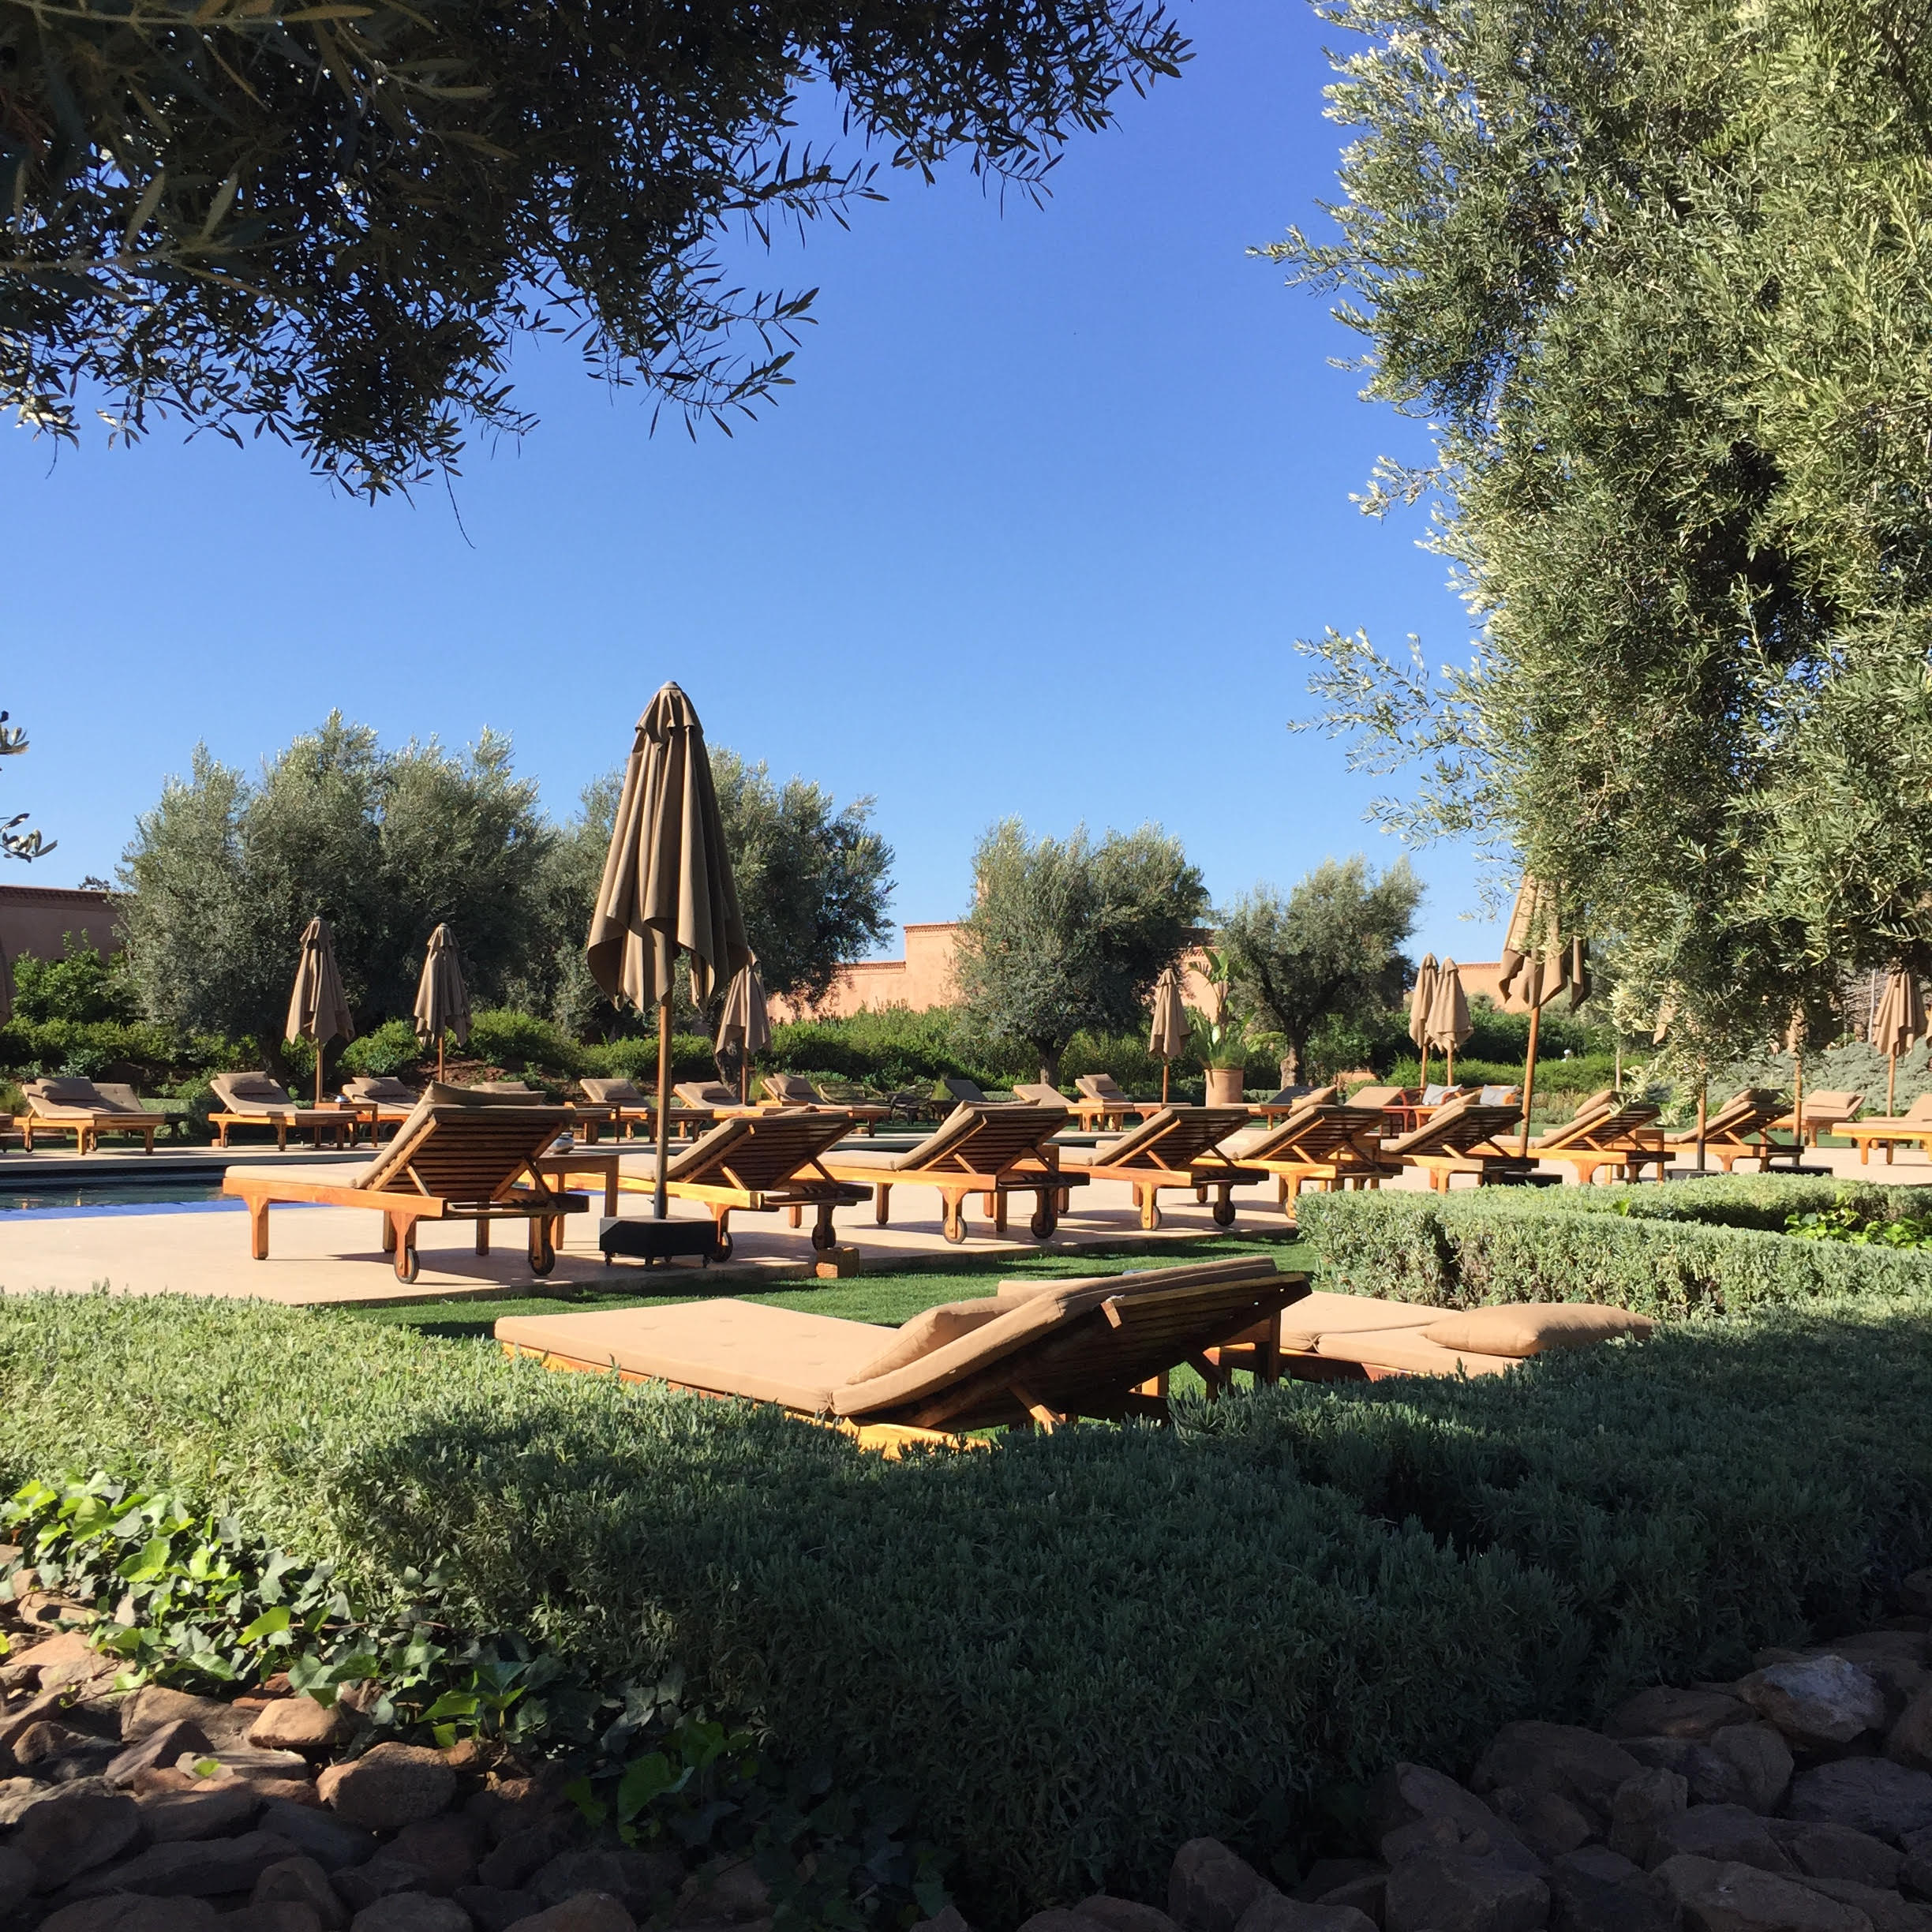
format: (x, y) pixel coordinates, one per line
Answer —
(1219, 1037)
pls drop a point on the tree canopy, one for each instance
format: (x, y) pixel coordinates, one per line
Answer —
(1331, 947)
(1066, 934)
(1656, 275)
(225, 872)
(328, 222)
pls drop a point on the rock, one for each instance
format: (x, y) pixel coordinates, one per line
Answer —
(1866, 1794)
(1761, 1760)
(1642, 1805)
(1832, 1851)
(279, 1915)
(334, 1845)
(174, 1816)
(525, 1851)
(202, 1868)
(412, 1912)
(168, 1915)
(1666, 1713)
(1915, 1873)
(506, 1805)
(162, 1746)
(1126, 1914)
(1867, 1646)
(1816, 1703)
(640, 1881)
(1596, 1890)
(1900, 1679)
(1453, 1892)
(1724, 1834)
(492, 1909)
(360, 1886)
(733, 1894)
(1056, 1919)
(36, 1746)
(1740, 1898)
(947, 1918)
(18, 1795)
(390, 1786)
(98, 1914)
(1271, 1912)
(1909, 1741)
(1579, 1765)
(54, 1661)
(300, 1723)
(1208, 1888)
(1887, 1911)
(151, 1707)
(1436, 1834)
(598, 1911)
(446, 1847)
(1368, 1896)
(66, 1835)
(244, 1761)
(301, 1881)
(18, 1874)
(1408, 1792)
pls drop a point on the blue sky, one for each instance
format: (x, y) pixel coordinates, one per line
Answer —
(1034, 532)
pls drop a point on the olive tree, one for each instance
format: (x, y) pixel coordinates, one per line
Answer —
(1067, 933)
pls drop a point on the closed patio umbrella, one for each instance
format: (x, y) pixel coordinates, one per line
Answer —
(1448, 1022)
(442, 999)
(1547, 960)
(1422, 998)
(745, 1023)
(667, 886)
(1899, 1026)
(1167, 1040)
(317, 1010)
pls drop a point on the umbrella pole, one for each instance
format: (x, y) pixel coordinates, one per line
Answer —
(1449, 1065)
(439, 1056)
(744, 1080)
(1536, 1021)
(1166, 1072)
(1797, 1110)
(664, 1102)
(1891, 1082)
(1425, 1065)
(318, 1072)
(1703, 1106)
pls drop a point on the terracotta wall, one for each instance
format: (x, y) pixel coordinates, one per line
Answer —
(37, 919)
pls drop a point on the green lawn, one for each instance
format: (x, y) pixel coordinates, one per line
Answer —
(890, 1298)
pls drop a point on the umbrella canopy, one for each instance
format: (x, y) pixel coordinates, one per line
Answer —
(1447, 1025)
(745, 1024)
(667, 885)
(442, 999)
(1168, 1038)
(1538, 953)
(317, 1010)
(1901, 1021)
(1422, 998)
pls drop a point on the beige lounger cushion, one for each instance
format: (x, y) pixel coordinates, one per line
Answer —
(1522, 1328)
(120, 1098)
(1040, 1094)
(400, 1145)
(66, 1090)
(693, 1093)
(1305, 1323)
(931, 1328)
(955, 1128)
(381, 1088)
(1405, 1349)
(251, 1093)
(793, 1088)
(735, 1348)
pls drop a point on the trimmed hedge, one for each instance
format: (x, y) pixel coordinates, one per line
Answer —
(1081, 1649)
(1683, 1248)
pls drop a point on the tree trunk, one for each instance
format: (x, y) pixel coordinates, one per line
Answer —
(1049, 1059)
(1288, 1069)
(1291, 1062)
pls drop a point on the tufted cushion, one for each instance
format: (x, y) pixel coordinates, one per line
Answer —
(1521, 1328)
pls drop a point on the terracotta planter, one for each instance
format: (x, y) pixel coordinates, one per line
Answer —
(1224, 1086)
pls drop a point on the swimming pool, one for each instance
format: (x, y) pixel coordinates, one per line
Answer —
(159, 1196)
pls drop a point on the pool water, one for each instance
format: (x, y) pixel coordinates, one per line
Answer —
(106, 1197)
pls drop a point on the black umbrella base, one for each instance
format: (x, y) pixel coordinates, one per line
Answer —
(650, 1241)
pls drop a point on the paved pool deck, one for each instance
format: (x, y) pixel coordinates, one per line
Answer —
(333, 1255)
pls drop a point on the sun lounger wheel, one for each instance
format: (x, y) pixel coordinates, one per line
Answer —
(1224, 1214)
(721, 1245)
(1044, 1221)
(408, 1263)
(542, 1249)
(822, 1236)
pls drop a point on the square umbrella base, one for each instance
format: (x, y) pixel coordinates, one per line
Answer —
(652, 1241)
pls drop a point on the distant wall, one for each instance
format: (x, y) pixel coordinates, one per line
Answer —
(37, 919)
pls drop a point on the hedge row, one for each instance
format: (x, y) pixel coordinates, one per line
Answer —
(1693, 1246)
(1078, 1651)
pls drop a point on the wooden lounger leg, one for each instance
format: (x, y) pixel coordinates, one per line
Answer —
(407, 1266)
(1045, 1420)
(1148, 1200)
(482, 1235)
(542, 1249)
(1212, 1373)
(797, 1214)
(258, 1228)
(953, 1225)
(389, 1233)
(880, 1206)
(996, 1206)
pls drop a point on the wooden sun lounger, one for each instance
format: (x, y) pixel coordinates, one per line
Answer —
(1461, 1137)
(1177, 1148)
(1621, 1138)
(1103, 1101)
(66, 1103)
(255, 1100)
(1326, 1145)
(449, 1161)
(793, 1090)
(1038, 1355)
(1892, 1130)
(1285, 1105)
(1728, 1133)
(757, 1163)
(1825, 1113)
(993, 1148)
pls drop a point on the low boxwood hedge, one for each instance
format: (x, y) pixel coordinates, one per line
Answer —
(1667, 1251)
(1076, 1651)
